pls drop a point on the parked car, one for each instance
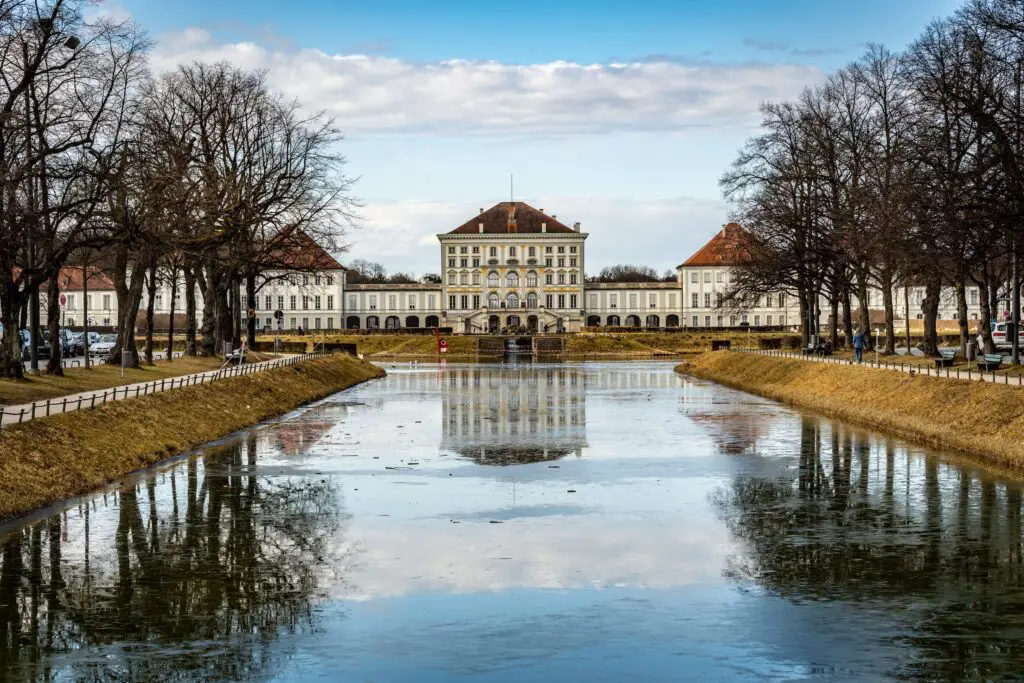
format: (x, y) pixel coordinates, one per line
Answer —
(103, 345)
(42, 345)
(71, 343)
(1002, 340)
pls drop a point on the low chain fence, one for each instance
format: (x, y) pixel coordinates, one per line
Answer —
(58, 406)
(947, 372)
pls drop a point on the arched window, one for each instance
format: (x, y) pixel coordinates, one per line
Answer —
(613, 321)
(431, 321)
(412, 321)
(512, 300)
(493, 301)
(531, 279)
(512, 279)
(492, 279)
(672, 321)
(372, 322)
(352, 322)
(531, 300)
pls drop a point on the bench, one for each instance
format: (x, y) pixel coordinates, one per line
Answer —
(990, 361)
(946, 358)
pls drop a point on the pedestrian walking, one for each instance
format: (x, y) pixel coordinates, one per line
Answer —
(858, 345)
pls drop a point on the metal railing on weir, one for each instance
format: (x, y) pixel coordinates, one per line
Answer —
(58, 406)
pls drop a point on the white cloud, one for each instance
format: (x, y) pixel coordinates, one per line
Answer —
(370, 93)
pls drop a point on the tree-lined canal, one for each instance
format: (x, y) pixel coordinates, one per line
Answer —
(528, 522)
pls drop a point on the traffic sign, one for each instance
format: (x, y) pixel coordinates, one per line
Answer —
(252, 313)
(63, 299)
(279, 314)
(442, 346)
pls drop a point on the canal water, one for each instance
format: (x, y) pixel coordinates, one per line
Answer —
(528, 522)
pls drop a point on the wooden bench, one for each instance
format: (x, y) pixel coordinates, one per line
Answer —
(946, 358)
(990, 361)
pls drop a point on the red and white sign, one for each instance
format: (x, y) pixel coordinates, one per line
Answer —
(63, 299)
(442, 346)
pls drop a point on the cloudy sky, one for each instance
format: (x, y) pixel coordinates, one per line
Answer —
(620, 115)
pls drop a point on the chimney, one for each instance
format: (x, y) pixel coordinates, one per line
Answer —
(481, 209)
(554, 215)
(481, 226)
(576, 226)
(543, 227)
(542, 210)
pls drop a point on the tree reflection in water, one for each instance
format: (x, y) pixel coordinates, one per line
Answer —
(194, 573)
(935, 547)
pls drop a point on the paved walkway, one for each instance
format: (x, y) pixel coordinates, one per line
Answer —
(968, 373)
(90, 399)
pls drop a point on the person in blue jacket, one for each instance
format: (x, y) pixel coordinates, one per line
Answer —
(858, 345)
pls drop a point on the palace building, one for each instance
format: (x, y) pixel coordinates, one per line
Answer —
(510, 268)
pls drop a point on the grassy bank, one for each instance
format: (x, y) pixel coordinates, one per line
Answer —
(978, 418)
(47, 460)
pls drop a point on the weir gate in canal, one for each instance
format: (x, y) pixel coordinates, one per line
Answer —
(521, 345)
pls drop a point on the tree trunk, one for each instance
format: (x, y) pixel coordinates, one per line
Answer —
(85, 313)
(11, 305)
(885, 280)
(805, 318)
(864, 313)
(930, 309)
(961, 315)
(236, 314)
(906, 313)
(984, 297)
(129, 297)
(170, 320)
(833, 320)
(150, 309)
(191, 348)
(54, 366)
(847, 318)
(250, 322)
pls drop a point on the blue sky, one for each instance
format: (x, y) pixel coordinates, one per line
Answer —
(619, 115)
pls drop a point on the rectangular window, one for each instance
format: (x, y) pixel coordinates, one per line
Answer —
(330, 281)
(768, 320)
(561, 262)
(547, 250)
(464, 300)
(352, 302)
(158, 301)
(305, 324)
(653, 301)
(561, 300)
(412, 302)
(561, 250)
(718, 299)
(512, 252)
(476, 301)
(451, 263)
(572, 250)
(694, 277)
(451, 301)
(696, 321)
(707, 321)
(316, 323)
(291, 302)
(757, 321)
(268, 304)
(305, 303)
(106, 301)
(280, 303)
(707, 276)
(707, 299)
(373, 302)
(451, 250)
(632, 300)
(330, 323)
(561, 278)
(549, 298)
(476, 250)
(464, 263)
(720, 321)
(549, 278)
(451, 278)
(316, 302)
(694, 302)
(71, 302)
(593, 300)
(532, 251)
(613, 301)
(476, 278)
(476, 263)
(330, 302)
(572, 301)
(732, 321)
(572, 262)
(973, 296)
(718, 276)
(548, 262)
(492, 252)
(572, 278)
(392, 302)
(431, 301)
(293, 325)
(463, 250)
(270, 321)
(316, 280)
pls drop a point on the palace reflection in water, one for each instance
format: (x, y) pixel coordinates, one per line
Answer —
(650, 527)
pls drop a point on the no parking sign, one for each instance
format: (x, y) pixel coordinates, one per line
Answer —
(442, 346)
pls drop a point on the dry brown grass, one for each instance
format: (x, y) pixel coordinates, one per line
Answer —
(51, 459)
(389, 345)
(100, 376)
(979, 418)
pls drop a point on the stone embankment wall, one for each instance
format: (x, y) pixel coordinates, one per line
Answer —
(982, 419)
(48, 460)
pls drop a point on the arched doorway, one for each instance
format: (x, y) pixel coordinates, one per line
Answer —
(613, 321)
(432, 321)
(412, 321)
(392, 322)
(672, 321)
(531, 323)
(372, 322)
(352, 322)
(632, 321)
(493, 323)
(593, 321)
(513, 321)
(653, 321)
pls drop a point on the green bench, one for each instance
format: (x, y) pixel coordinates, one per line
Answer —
(946, 358)
(990, 361)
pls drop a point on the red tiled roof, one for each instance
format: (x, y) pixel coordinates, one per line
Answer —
(727, 248)
(509, 218)
(296, 249)
(70, 280)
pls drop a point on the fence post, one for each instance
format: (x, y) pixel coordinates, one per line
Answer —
(64, 408)
(21, 415)
(47, 407)
(33, 410)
